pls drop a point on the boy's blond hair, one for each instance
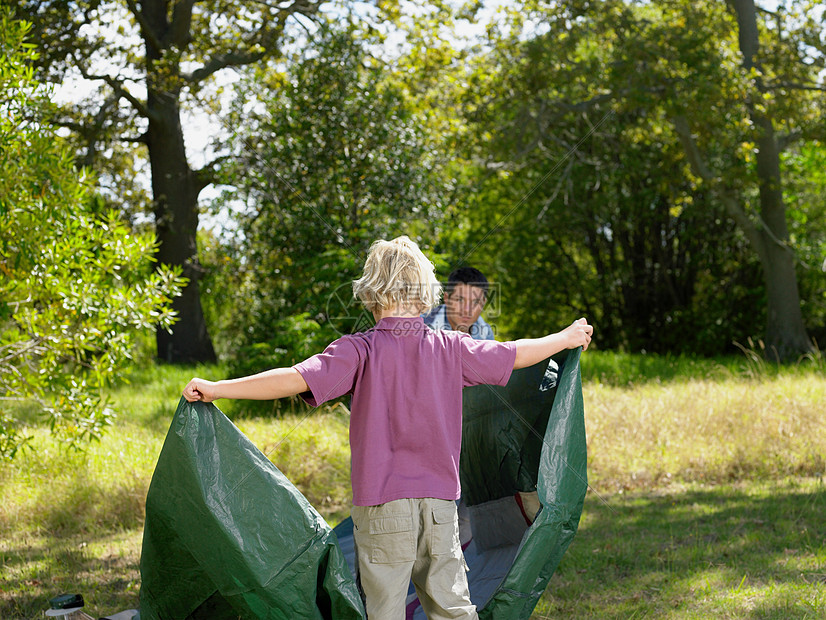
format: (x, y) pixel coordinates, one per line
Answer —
(397, 273)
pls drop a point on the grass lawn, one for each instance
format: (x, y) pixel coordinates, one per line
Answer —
(707, 493)
(741, 550)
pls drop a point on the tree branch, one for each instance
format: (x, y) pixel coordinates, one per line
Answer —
(141, 139)
(230, 59)
(265, 38)
(787, 139)
(796, 86)
(744, 11)
(148, 33)
(588, 103)
(206, 174)
(181, 30)
(119, 89)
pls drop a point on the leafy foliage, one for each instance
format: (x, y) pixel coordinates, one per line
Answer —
(77, 285)
(145, 67)
(586, 182)
(335, 159)
(805, 191)
(566, 179)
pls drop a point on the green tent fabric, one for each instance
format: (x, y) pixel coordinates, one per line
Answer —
(227, 535)
(526, 436)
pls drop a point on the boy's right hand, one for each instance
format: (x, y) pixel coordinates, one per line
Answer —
(200, 389)
(579, 334)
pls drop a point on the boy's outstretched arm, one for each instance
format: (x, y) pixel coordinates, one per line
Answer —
(530, 351)
(268, 385)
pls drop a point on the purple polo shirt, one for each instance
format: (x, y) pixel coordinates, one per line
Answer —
(406, 413)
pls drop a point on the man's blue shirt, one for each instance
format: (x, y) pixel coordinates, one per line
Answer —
(436, 319)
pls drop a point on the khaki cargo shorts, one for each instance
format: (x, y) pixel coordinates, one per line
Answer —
(414, 539)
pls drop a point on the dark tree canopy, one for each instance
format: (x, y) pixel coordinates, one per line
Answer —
(647, 158)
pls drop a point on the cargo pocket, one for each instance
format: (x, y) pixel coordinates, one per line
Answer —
(389, 539)
(444, 537)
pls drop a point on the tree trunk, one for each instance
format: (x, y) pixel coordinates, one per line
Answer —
(786, 336)
(175, 191)
(175, 187)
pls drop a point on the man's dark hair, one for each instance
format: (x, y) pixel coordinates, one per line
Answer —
(467, 275)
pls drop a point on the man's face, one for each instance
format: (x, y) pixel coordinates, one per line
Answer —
(464, 305)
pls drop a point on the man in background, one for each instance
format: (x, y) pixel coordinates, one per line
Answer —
(466, 294)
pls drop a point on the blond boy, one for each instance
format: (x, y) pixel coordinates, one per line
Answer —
(405, 428)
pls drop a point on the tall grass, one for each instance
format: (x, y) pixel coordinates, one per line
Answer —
(698, 430)
(670, 441)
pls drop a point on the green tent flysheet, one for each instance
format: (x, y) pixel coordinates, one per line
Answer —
(227, 535)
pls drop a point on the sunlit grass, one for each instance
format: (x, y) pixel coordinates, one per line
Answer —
(698, 430)
(744, 550)
(706, 498)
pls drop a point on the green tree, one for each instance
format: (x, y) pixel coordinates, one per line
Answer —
(663, 75)
(152, 61)
(805, 195)
(334, 159)
(774, 93)
(77, 284)
(594, 224)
